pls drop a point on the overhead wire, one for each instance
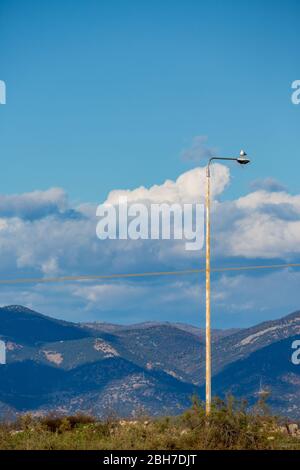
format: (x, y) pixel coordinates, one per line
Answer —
(92, 277)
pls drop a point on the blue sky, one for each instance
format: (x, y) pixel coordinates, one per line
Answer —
(105, 95)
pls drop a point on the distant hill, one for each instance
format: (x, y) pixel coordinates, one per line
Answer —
(241, 344)
(113, 327)
(268, 369)
(156, 367)
(23, 325)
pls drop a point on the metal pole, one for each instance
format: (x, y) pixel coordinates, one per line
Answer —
(208, 328)
(242, 160)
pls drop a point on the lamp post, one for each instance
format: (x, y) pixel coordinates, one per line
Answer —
(243, 160)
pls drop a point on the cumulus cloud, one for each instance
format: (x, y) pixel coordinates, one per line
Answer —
(265, 225)
(41, 234)
(187, 188)
(33, 205)
(261, 224)
(260, 199)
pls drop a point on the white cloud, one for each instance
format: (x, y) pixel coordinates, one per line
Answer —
(33, 205)
(259, 199)
(42, 235)
(264, 236)
(263, 224)
(188, 188)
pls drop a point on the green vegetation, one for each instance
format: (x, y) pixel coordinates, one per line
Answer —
(230, 426)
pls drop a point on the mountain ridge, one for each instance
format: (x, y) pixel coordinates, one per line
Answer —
(155, 366)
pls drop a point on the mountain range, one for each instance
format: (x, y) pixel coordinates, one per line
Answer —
(154, 368)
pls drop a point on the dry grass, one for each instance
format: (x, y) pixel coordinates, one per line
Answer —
(230, 427)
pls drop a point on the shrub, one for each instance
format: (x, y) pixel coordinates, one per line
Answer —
(231, 425)
(56, 423)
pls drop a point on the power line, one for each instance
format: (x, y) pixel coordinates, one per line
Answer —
(37, 280)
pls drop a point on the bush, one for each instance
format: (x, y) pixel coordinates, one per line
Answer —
(231, 425)
(56, 423)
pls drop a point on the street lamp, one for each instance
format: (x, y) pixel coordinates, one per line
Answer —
(242, 160)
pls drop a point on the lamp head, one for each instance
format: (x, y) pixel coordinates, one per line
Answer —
(242, 159)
